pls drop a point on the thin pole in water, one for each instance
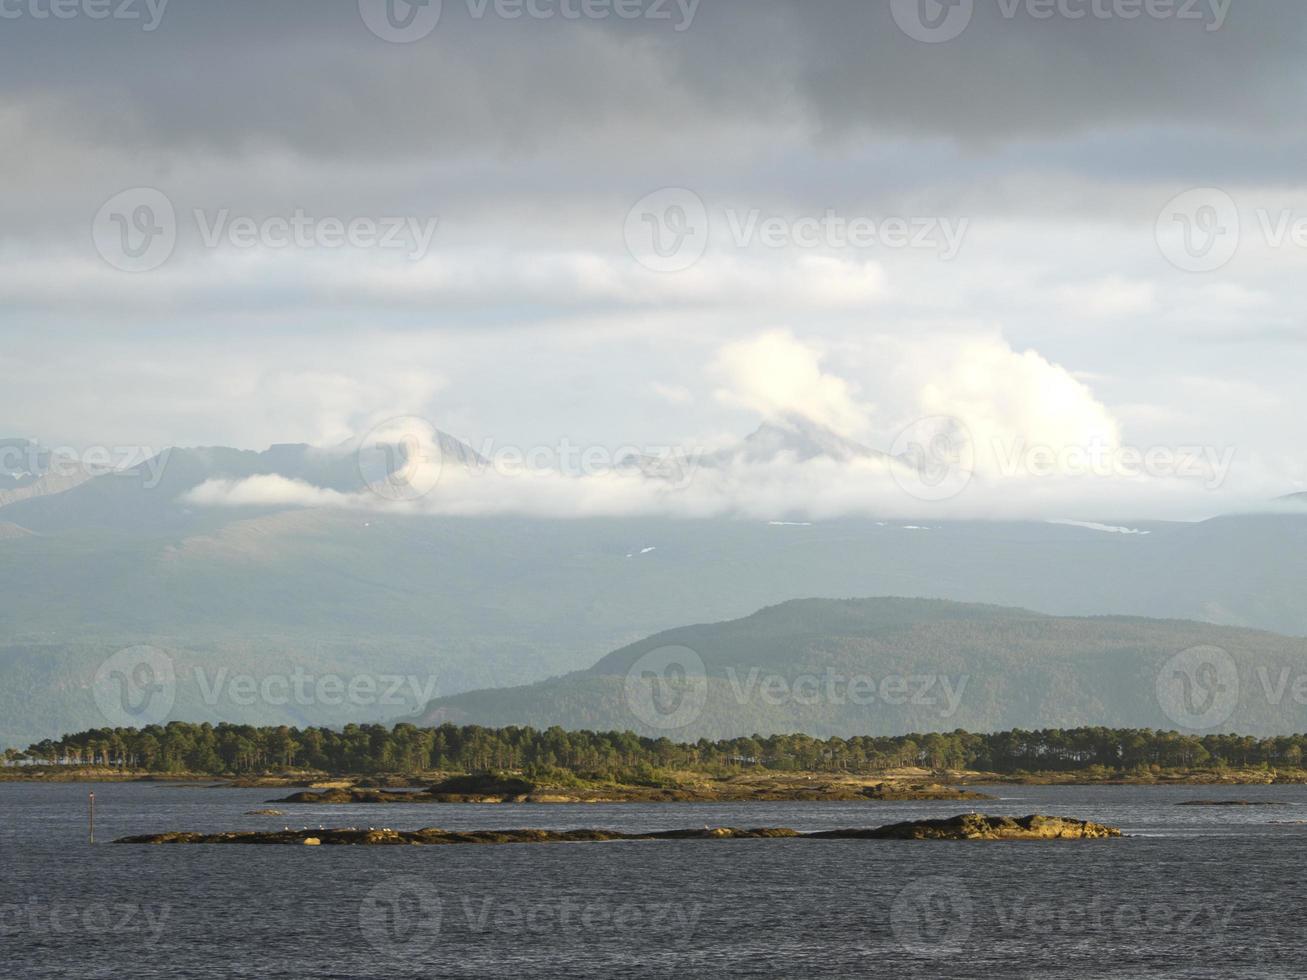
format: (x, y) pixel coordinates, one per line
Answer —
(91, 828)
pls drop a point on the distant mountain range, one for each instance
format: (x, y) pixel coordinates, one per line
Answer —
(895, 666)
(117, 560)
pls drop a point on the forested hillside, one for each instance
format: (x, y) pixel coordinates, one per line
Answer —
(888, 666)
(229, 749)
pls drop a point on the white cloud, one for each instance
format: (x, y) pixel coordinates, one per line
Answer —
(1112, 296)
(267, 490)
(1010, 401)
(775, 375)
(672, 394)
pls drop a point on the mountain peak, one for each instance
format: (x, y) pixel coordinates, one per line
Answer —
(797, 437)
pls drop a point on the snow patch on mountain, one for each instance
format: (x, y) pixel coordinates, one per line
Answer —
(1105, 528)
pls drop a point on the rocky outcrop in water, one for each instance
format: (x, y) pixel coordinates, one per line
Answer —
(979, 826)
(970, 826)
(1231, 803)
(434, 835)
(512, 789)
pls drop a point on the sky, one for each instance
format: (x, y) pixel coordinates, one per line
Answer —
(1067, 224)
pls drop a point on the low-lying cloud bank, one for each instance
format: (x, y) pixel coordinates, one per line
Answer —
(813, 489)
(987, 432)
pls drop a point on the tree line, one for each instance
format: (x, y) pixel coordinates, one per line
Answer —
(226, 749)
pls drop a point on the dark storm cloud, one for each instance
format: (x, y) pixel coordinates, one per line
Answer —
(243, 76)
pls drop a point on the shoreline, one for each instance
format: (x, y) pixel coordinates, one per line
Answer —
(886, 785)
(681, 787)
(688, 788)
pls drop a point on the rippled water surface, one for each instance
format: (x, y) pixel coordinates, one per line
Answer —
(1192, 892)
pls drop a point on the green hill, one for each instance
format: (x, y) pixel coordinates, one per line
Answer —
(890, 666)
